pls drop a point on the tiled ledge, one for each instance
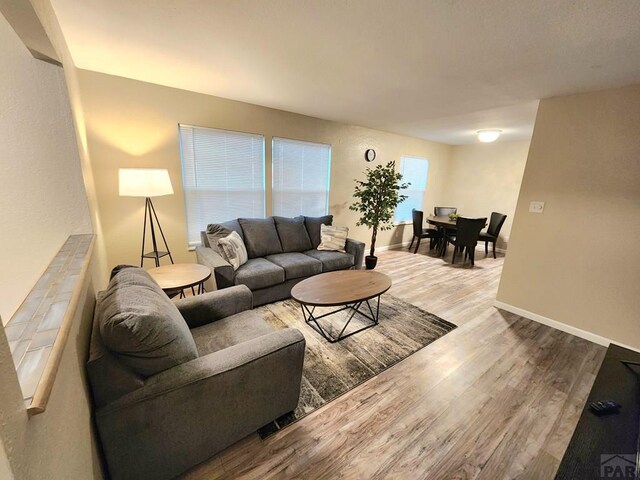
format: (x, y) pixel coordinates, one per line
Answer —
(38, 330)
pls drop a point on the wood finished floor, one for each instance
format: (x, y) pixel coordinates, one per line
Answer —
(496, 398)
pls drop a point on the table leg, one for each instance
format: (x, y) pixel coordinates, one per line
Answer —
(312, 320)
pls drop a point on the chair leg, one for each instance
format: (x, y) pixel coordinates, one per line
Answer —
(412, 239)
(486, 248)
(494, 249)
(453, 260)
(472, 255)
(417, 246)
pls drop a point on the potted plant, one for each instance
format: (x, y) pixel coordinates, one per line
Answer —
(376, 200)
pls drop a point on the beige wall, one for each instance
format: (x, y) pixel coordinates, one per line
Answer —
(135, 124)
(42, 195)
(46, 15)
(578, 262)
(44, 200)
(59, 443)
(484, 178)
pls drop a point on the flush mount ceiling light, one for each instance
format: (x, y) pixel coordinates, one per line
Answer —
(488, 136)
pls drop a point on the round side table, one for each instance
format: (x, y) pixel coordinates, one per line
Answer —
(175, 278)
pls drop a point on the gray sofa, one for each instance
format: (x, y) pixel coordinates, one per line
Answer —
(282, 252)
(175, 383)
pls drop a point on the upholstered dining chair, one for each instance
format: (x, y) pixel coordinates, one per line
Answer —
(419, 232)
(444, 211)
(466, 236)
(491, 235)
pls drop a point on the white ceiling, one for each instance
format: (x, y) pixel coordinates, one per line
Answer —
(436, 69)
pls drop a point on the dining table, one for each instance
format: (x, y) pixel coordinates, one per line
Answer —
(442, 223)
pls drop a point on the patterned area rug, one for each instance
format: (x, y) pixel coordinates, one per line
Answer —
(332, 369)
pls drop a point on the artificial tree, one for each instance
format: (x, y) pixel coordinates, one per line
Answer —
(376, 200)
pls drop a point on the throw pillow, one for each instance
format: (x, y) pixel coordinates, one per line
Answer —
(333, 238)
(293, 234)
(214, 233)
(233, 250)
(313, 227)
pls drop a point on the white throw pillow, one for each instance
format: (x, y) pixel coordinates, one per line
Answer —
(333, 238)
(233, 250)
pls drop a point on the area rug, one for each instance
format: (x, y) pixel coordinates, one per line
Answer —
(332, 369)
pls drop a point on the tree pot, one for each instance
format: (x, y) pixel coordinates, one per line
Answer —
(370, 262)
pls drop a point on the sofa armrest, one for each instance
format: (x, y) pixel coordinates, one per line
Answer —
(220, 268)
(355, 248)
(211, 306)
(186, 414)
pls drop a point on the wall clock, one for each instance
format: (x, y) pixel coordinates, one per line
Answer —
(370, 155)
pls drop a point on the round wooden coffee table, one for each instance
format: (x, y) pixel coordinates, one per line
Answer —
(173, 279)
(348, 289)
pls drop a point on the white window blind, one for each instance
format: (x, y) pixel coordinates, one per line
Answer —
(414, 170)
(223, 176)
(301, 172)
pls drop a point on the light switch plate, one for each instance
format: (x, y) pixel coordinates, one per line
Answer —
(536, 207)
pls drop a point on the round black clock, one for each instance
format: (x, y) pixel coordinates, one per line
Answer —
(370, 155)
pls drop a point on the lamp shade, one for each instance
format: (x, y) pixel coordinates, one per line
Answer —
(144, 182)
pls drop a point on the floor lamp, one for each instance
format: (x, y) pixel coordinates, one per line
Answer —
(147, 183)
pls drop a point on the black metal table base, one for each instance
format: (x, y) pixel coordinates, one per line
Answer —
(372, 315)
(195, 290)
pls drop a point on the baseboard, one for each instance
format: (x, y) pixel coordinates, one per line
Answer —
(578, 332)
(391, 247)
(406, 245)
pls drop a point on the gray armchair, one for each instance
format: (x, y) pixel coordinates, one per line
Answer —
(232, 375)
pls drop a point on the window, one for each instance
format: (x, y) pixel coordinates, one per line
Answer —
(222, 175)
(414, 170)
(300, 178)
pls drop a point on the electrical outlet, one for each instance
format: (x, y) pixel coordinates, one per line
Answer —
(536, 207)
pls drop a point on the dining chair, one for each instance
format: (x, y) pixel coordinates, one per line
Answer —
(419, 232)
(444, 211)
(491, 235)
(466, 236)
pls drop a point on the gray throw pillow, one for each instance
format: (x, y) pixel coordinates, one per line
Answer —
(215, 232)
(313, 227)
(141, 326)
(293, 234)
(260, 237)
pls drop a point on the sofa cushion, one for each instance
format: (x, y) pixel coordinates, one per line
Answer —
(260, 236)
(293, 234)
(332, 260)
(313, 227)
(259, 273)
(141, 326)
(296, 265)
(229, 331)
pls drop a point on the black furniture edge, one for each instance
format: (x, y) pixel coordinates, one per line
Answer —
(608, 440)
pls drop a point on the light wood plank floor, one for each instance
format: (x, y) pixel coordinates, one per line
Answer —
(496, 398)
